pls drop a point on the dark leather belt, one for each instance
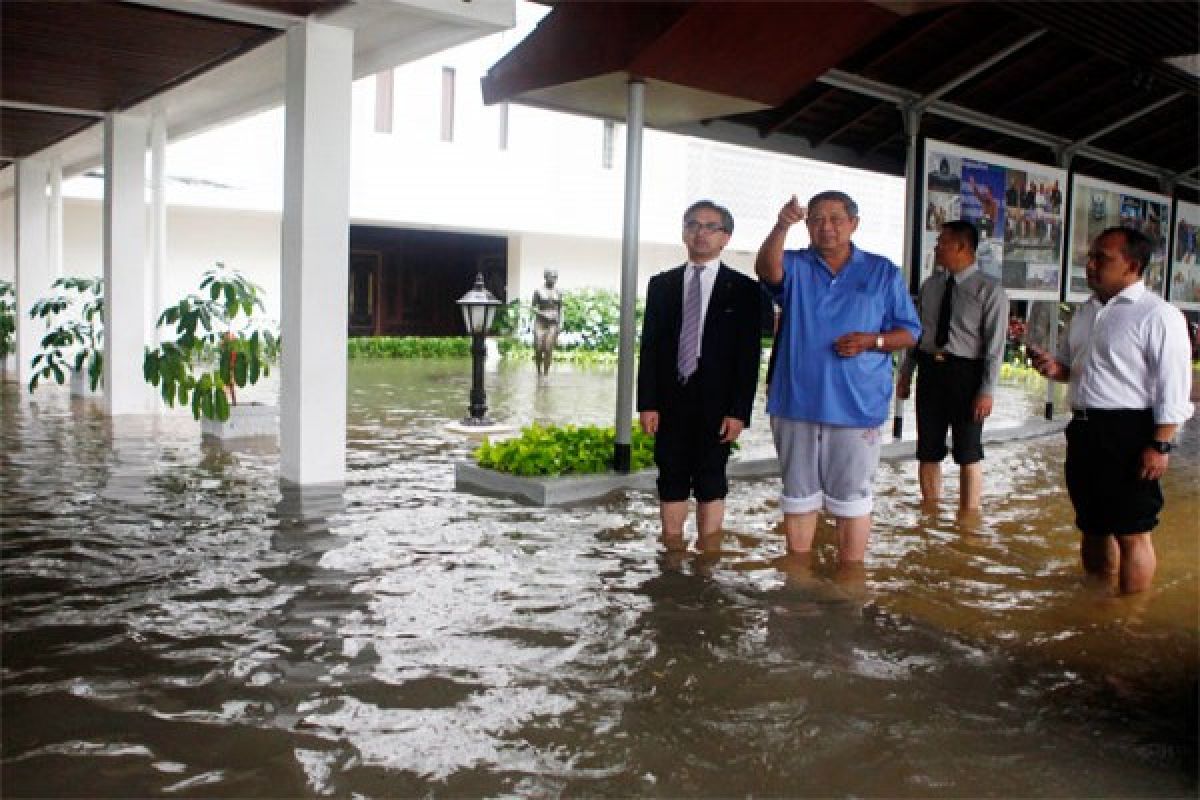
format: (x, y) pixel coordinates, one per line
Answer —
(1097, 413)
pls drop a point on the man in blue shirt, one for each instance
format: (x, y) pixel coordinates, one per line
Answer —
(844, 312)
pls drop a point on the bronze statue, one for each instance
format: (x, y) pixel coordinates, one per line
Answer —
(547, 313)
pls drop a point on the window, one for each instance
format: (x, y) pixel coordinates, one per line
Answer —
(447, 104)
(384, 91)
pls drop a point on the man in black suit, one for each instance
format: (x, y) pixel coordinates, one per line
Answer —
(698, 371)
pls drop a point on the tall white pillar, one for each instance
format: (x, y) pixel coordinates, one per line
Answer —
(316, 190)
(54, 221)
(125, 390)
(33, 274)
(155, 298)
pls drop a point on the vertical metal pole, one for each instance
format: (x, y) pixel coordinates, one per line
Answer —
(477, 411)
(1064, 161)
(912, 186)
(623, 451)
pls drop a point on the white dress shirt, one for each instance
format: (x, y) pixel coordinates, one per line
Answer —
(708, 277)
(1132, 352)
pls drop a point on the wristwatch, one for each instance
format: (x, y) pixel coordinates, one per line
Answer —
(1161, 447)
(878, 342)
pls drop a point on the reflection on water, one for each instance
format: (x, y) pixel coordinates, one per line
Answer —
(175, 623)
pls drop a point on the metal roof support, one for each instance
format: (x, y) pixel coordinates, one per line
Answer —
(903, 98)
(932, 97)
(635, 122)
(41, 108)
(1121, 123)
(1062, 157)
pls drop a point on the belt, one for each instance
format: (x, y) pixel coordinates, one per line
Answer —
(941, 356)
(1098, 413)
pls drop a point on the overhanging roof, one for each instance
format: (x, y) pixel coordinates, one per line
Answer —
(827, 79)
(65, 64)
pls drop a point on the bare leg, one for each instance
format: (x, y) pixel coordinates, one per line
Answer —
(673, 515)
(1138, 562)
(799, 530)
(1100, 556)
(709, 517)
(853, 534)
(970, 487)
(930, 476)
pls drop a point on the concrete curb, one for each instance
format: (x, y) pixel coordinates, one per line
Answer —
(559, 491)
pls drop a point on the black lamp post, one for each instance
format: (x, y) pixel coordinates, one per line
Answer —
(479, 310)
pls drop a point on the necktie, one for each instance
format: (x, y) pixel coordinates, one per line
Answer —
(943, 323)
(689, 331)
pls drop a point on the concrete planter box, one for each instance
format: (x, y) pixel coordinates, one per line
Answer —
(558, 491)
(245, 421)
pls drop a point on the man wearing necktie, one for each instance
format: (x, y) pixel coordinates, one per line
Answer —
(697, 372)
(964, 317)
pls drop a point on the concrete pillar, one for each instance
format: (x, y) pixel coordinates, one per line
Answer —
(54, 223)
(316, 189)
(635, 117)
(155, 299)
(33, 273)
(125, 390)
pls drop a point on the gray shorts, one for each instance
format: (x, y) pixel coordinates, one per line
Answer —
(826, 466)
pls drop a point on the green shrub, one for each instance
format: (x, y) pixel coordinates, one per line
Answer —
(409, 347)
(8, 319)
(566, 450)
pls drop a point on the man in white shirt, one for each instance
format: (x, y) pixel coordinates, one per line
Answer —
(1127, 360)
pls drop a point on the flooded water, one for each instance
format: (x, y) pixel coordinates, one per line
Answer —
(175, 624)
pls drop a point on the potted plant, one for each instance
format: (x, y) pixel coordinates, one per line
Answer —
(74, 340)
(8, 323)
(220, 345)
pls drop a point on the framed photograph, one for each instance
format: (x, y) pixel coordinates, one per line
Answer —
(1097, 205)
(1017, 206)
(1185, 271)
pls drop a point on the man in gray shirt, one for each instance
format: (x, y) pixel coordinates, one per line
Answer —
(964, 317)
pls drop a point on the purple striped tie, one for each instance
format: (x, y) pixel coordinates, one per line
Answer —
(689, 331)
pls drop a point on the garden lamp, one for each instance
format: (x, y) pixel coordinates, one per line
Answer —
(479, 310)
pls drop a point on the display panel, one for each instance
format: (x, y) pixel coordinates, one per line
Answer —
(1185, 271)
(1096, 205)
(1017, 207)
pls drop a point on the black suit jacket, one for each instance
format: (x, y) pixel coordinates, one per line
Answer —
(729, 352)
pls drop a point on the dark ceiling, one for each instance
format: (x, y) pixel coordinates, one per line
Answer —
(64, 64)
(1022, 79)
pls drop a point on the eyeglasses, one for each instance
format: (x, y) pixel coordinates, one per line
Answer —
(691, 226)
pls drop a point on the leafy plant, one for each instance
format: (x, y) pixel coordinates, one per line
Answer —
(220, 345)
(409, 347)
(75, 331)
(8, 319)
(565, 450)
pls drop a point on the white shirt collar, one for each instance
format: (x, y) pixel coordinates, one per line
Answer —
(1130, 294)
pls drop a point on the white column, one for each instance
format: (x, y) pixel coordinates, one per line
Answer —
(33, 275)
(54, 230)
(316, 188)
(125, 390)
(635, 117)
(155, 299)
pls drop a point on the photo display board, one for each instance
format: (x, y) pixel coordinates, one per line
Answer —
(1017, 207)
(1185, 271)
(1096, 205)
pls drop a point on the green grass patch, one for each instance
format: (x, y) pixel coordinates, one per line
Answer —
(409, 347)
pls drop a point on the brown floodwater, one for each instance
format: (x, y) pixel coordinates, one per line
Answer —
(175, 624)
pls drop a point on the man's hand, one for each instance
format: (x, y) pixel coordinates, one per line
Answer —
(649, 422)
(982, 407)
(849, 345)
(792, 212)
(904, 387)
(1046, 364)
(731, 429)
(1154, 464)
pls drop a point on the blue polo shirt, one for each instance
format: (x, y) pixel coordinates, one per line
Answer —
(811, 382)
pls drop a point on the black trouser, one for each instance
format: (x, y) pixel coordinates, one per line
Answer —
(946, 390)
(688, 449)
(1104, 472)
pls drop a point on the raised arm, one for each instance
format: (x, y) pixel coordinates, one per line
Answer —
(769, 263)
